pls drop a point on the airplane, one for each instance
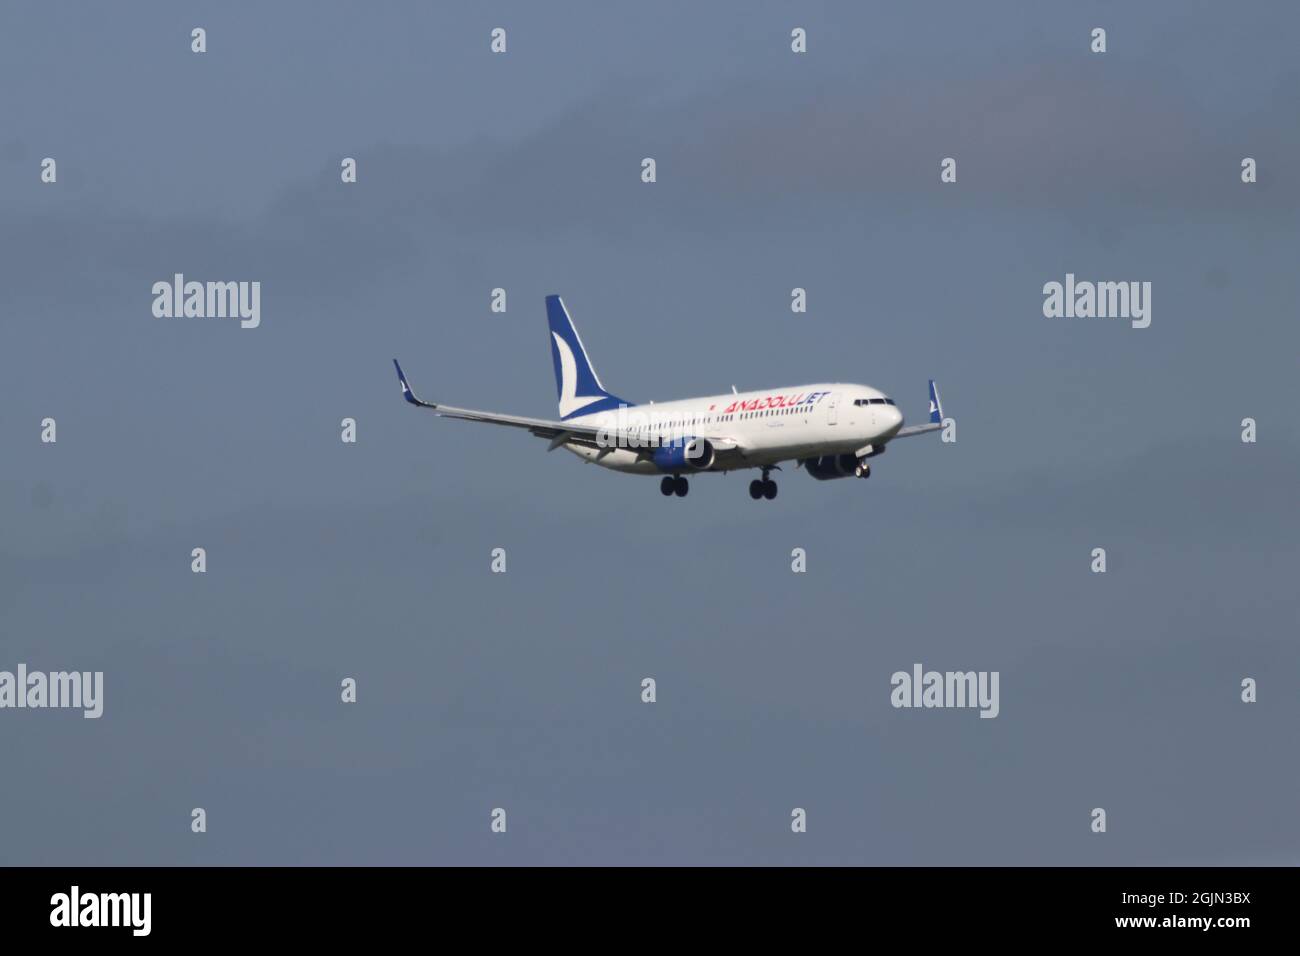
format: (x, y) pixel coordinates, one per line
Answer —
(831, 430)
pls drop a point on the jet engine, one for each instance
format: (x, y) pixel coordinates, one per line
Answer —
(694, 454)
(831, 466)
(841, 466)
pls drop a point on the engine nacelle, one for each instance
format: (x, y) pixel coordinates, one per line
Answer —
(841, 466)
(831, 466)
(694, 454)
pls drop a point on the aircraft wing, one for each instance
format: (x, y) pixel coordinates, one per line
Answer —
(560, 433)
(936, 417)
(917, 430)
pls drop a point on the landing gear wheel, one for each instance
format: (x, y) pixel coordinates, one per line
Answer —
(756, 489)
(666, 486)
(769, 489)
(680, 486)
(864, 471)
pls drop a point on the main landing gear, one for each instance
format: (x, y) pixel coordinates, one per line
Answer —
(674, 485)
(766, 488)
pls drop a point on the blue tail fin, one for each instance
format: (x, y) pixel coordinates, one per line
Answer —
(936, 407)
(576, 382)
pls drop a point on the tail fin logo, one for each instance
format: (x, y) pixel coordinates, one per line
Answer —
(576, 382)
(570, 401)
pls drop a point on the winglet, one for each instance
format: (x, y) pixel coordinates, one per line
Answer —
(406, 389)
(936, 407)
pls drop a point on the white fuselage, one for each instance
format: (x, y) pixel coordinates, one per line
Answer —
(753, 428)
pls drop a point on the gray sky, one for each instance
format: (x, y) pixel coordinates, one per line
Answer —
(522, 690)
